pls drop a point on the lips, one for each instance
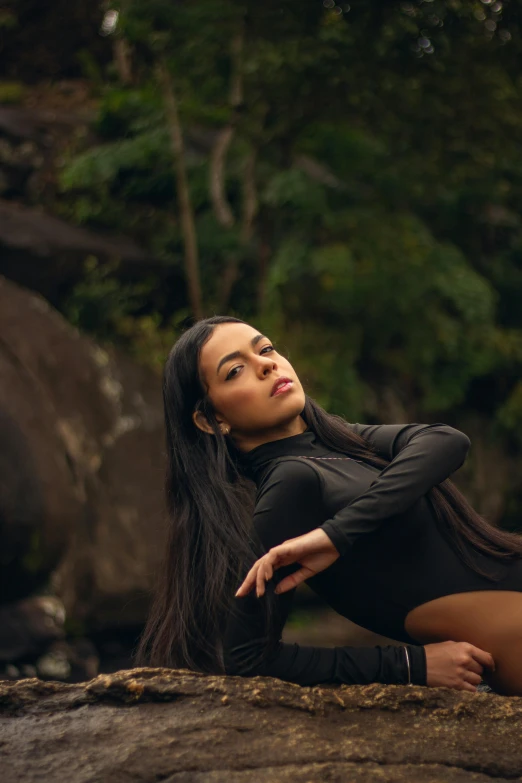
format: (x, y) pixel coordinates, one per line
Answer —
(281, 384)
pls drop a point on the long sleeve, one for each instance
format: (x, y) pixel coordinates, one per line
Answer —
(290, 504)
(422, 456)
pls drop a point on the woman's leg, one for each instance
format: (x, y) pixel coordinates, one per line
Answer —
(489, 619)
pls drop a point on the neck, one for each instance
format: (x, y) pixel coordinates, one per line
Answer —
(249, 441)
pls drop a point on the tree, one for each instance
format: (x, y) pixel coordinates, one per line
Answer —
(354, 183)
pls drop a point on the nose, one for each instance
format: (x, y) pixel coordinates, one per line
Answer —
(266, 365)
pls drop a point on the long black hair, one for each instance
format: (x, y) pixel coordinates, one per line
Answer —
(210, 506)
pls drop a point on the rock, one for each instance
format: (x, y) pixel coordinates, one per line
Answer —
(27, 627)
(46, 254)
(75, 660)
(43, 235)
(182, 727)
(54, 665)
(28, 670)
(83, 658)
(33, 137)
(81, 468)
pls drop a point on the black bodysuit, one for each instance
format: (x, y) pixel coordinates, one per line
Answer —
(395, 554)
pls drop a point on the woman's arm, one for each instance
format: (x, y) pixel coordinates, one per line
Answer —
(422, 456)
(290, 504)
(246, 637)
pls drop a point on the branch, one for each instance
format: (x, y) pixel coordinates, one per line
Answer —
(123, 60)
(218, 156)
(250, 201)
(185, 205)
(249, 211)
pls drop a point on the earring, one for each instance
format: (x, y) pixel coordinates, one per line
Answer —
(226, 430)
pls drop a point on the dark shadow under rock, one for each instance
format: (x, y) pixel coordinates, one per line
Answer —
(27, 627)
(181, 727)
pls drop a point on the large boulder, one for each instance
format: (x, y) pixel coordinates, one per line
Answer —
(81, 467)
(180, 727)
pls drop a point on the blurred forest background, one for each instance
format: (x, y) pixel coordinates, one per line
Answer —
(347, 177)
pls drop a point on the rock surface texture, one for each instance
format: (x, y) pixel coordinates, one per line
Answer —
(81, 467)
(182, 727)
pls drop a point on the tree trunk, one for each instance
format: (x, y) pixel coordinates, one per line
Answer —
(217, 186)
(121, 48)
(222, 209)
(123, 60)
(218, 196)
(250, 202)
(185, 205)
(248, 213)
(264, 258)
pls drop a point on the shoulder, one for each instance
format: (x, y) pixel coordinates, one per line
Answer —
(289, 482)
(290, 474)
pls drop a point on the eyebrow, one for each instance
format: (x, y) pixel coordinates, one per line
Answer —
(236, 354)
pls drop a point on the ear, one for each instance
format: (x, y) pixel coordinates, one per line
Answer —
(200, 420)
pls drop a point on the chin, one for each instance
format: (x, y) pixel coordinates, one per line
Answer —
(292, 408)
(267, 416)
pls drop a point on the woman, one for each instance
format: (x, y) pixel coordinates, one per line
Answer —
(364, 513)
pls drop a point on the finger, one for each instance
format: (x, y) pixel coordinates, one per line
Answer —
(259, 579)
(271, 562)
(249, 581)
(467, 686)
(473, 666)
(471, 677)
(264, 573)
(484, 658)
(253, 579)
(289, 582)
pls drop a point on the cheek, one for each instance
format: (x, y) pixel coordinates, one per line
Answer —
(241, 398)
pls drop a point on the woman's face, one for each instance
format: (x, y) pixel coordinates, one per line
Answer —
(241, 370)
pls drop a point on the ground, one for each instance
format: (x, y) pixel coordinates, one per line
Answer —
(176, 726)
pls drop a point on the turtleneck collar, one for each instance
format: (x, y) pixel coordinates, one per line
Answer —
(304, 444)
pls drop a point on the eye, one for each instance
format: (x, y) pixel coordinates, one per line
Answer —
(232, 373)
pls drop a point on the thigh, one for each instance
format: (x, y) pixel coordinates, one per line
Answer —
(489, 619)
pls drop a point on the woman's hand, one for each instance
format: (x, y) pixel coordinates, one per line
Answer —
(314, 552)
(456, 665)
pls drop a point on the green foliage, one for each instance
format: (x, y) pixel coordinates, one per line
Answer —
(8, 20)
(100, 301)
(510, 413)
(115, 312)
(127, 111)
(292, 189)
(103, 165)
(34, 558)
(12, 92)
(300, 618)
(387, 246)
(420, 303)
